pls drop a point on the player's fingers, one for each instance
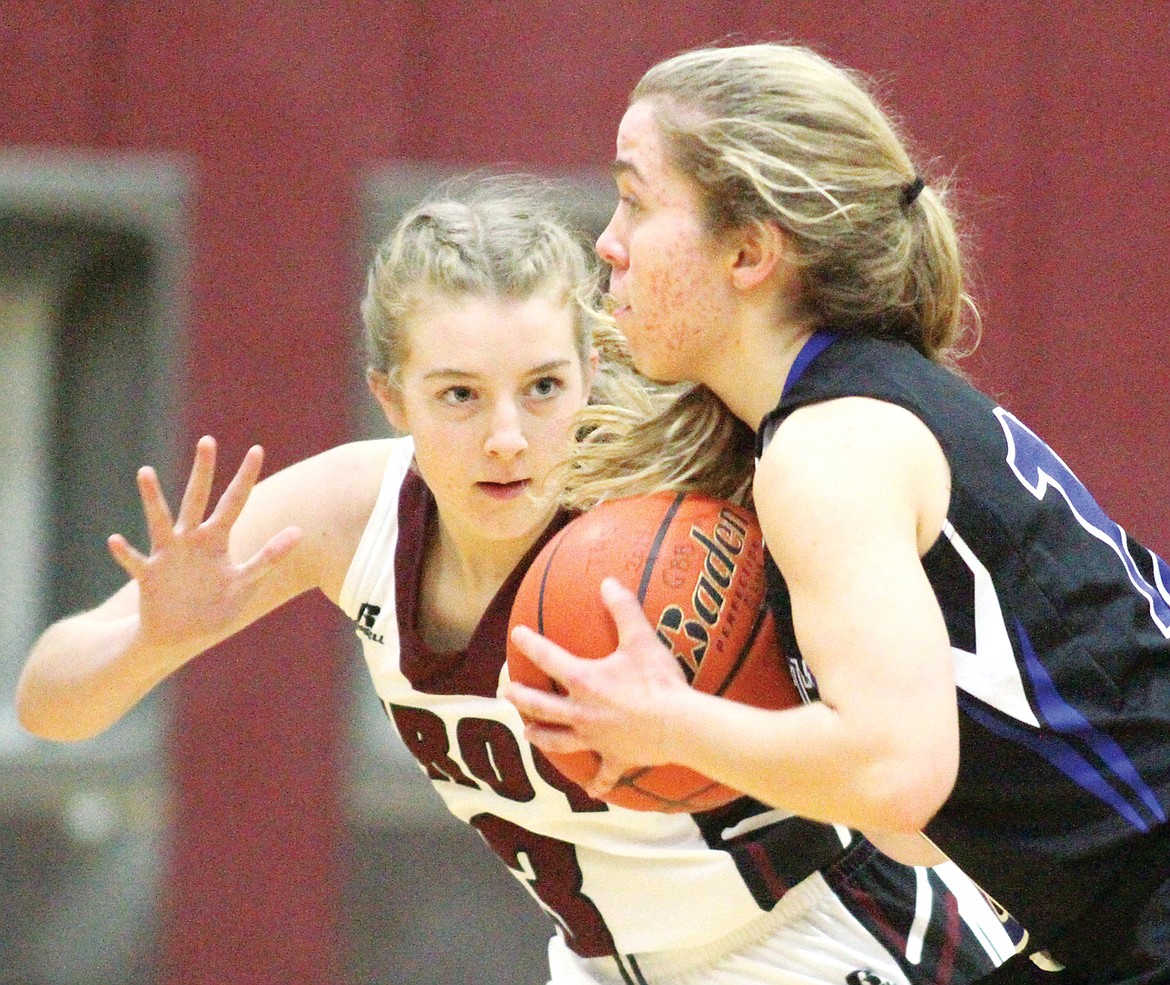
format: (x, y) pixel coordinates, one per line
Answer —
(628, 615)
(231, 503)
(561, 665)
(129, 560)
(553, 738)
(608, 775)
(198, 490)
(537, 706)
(159, 522)
(276, 548)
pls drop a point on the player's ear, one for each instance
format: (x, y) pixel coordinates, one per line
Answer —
(761, 248)
(390, 399)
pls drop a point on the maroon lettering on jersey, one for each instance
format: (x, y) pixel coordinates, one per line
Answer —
(425, 735)
(549, 867)
(493, 755)
(579, 800)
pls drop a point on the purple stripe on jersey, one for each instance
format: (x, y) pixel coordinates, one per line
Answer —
(865, 902)
(1063, 717)
(817, 343)
(949, 948)
(1058, 753)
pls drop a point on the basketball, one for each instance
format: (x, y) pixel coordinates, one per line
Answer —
(697, 565)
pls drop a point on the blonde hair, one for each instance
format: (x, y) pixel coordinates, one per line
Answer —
(501, 236)
(777, 133)
(678, 438)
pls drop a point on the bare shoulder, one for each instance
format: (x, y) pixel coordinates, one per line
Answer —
(330, 497)
(345, 480)
(851, 424)
(855, 458)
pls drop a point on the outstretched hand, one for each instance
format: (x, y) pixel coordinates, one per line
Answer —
(189, 586)
(617, 706)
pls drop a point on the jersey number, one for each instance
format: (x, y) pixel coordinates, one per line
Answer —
(1038, 467)
(549, 868)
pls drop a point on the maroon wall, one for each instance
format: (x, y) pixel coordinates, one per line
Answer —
(1052, 117)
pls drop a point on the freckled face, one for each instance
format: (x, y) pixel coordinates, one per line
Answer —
(669, 276)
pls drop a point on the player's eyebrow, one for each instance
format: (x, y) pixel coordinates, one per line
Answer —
(622, 167)
(455, 373)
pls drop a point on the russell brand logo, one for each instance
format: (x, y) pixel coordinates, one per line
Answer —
(367, 617)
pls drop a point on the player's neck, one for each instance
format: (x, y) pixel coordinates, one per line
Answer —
(751, 380)
(457, 587)
(475, 566)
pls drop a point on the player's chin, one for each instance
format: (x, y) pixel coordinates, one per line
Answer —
(651, 368)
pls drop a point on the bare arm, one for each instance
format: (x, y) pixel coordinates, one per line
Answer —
(907, 847)
(205, 577)
(849, 497)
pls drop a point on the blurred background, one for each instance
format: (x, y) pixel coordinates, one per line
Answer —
(189, 193)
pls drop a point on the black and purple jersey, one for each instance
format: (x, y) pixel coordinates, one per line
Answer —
(1059, 625)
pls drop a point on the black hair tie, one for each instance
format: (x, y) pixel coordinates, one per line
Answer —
(911, 192)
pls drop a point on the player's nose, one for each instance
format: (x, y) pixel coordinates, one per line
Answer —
(505, 434)
(609, 247)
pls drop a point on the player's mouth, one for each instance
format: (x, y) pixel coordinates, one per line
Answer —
(503, 490)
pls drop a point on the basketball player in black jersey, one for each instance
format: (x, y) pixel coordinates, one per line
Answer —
(986, 653)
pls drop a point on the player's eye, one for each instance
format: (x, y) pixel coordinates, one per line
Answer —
(457, 395)
(547, 386)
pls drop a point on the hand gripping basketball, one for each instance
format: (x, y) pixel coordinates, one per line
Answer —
(606, 711)
(696, 566)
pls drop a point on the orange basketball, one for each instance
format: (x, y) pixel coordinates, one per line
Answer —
(697, 565)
